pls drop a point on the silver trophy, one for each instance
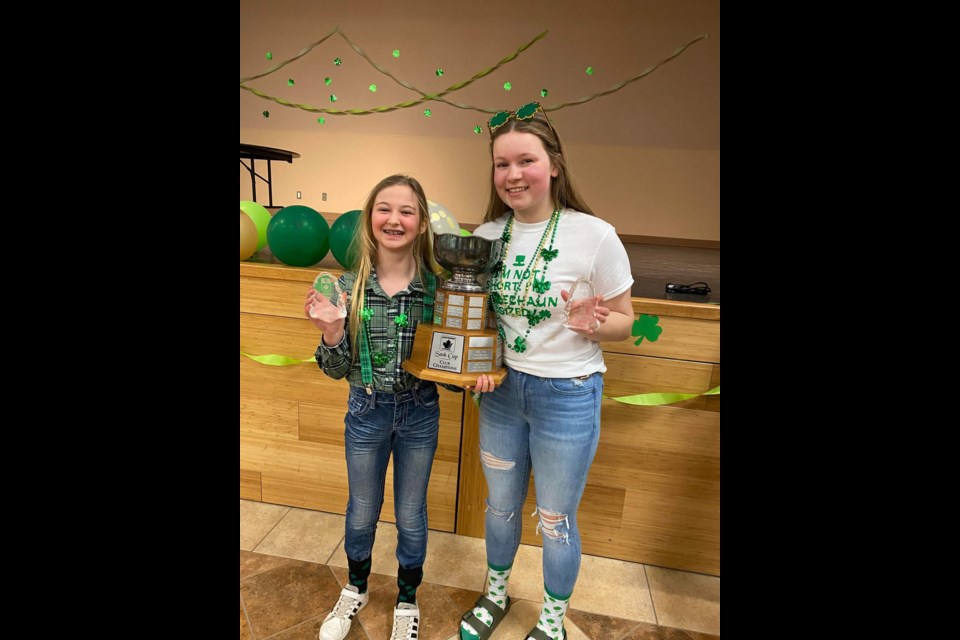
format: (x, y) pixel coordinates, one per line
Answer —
(460, 345)
(467, 257)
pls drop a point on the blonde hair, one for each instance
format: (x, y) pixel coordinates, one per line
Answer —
(366, 250)
(562, 190)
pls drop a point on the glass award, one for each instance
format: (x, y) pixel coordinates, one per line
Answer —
(329, 305)
(580, 310)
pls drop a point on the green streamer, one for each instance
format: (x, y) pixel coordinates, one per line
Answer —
(642, 399)
(439, 96)
(654, 399)
(403, 105)
(276, 360)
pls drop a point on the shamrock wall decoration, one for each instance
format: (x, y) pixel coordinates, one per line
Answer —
(646, 327)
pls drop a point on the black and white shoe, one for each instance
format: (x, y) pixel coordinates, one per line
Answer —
(336, 625)
(406, 622)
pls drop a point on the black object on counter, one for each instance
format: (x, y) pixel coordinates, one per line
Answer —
(696, 288)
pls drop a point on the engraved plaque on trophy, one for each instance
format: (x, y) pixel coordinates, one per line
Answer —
(459, 345)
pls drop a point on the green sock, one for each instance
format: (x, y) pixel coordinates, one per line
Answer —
(552, 613)
(497, 578)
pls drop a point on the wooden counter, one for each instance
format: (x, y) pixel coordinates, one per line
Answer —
(653, 494)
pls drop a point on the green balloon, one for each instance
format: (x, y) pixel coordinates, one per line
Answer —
(464, 232)
(341, 237)
(260, 217)
(298, 236)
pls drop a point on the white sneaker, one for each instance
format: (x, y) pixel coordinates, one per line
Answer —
(406, 622)
(336, 625)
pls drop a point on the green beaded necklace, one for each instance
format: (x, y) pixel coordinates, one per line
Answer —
(368, 357)
(540, 286)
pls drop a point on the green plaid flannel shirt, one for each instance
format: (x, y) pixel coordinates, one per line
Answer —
(338, 362)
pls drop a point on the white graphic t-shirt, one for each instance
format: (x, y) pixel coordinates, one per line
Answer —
(587, 247)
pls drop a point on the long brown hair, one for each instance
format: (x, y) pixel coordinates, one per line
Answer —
(562, 189)
(366, 249)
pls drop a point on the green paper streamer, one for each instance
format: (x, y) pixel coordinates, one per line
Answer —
(276, 360)
(655, 399)
(439, 97)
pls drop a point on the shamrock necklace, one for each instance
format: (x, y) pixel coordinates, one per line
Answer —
(528, 280)
(381, 358)
(368, 357)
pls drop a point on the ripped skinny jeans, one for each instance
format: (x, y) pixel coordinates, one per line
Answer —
(552, 424)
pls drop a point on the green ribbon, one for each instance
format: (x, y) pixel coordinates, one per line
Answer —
(641, 399)
(276, 360)
(653, 399)
(439, 97)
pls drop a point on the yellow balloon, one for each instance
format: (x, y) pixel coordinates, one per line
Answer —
(248, 236)
(261, 218)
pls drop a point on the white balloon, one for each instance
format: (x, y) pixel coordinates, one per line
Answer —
(441, 220)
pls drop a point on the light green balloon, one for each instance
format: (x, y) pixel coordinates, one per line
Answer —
(260, 217)
(440, 219)
(464, 232)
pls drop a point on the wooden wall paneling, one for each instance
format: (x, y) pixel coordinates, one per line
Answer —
(249, 485)
(473, 485)
(270, 416)
(682, 339)
(300, 491)
(713, 402)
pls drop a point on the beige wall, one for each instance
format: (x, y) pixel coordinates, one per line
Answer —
(653, 192)
(646, 157)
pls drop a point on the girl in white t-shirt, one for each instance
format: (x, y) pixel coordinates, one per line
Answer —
(546, 413)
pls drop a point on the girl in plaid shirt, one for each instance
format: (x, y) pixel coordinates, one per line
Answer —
(389, 410)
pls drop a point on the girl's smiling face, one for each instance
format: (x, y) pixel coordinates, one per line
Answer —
(396, 221)
(522, 172)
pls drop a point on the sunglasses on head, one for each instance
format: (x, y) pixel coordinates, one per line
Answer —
(525, 112)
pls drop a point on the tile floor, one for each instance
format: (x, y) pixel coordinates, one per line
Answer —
(292, 567)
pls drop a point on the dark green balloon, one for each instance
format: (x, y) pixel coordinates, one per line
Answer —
(341, 236)
(298, 236)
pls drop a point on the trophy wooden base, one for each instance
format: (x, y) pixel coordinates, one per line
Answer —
(454, 356)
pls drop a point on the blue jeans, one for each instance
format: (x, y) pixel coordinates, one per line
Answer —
(553, 424)
(405, 424)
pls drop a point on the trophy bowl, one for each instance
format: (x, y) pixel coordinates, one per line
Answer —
(466, 257)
